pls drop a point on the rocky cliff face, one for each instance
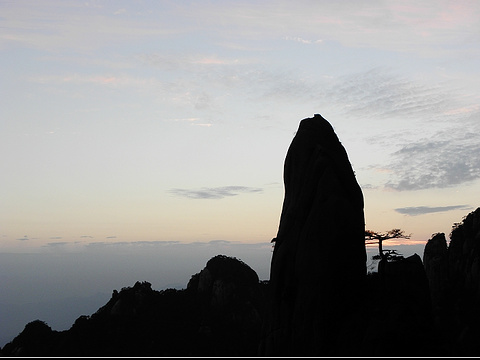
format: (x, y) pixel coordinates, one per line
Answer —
(319, 260)
(464, 255)
(454, 277)
(435, 262)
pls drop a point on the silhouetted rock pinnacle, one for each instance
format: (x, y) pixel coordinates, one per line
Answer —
(454, 276)
(435, 262)
(319, 260)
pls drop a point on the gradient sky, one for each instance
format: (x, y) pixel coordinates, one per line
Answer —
(126, 121)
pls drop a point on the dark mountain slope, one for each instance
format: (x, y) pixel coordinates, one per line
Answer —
(219, 314)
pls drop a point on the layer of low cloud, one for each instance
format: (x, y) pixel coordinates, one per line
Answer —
(421, 210)
(214, 193)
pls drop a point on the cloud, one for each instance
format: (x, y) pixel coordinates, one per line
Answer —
(192, 121)
(421, 210)
(442, 161)
(121, 81)
(301, 40)
(433, 136)
(219, 242)
(60, 243)
(382, 94)
(190, 63)
(101, 244)
(408, 26)
(405, 26)
(375, 95)
(120, 11)
(61, 25)
(214, 193)
(153, 243)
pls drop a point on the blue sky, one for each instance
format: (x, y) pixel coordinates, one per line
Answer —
(159, 124)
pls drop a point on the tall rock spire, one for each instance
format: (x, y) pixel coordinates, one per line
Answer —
(319, 259)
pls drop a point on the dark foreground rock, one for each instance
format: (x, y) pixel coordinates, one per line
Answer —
(454, 275)
(220, 313)
(319, 261)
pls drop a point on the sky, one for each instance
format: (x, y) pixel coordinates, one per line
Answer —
(156, 128)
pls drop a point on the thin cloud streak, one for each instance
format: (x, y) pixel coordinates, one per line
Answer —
(55, 244)
(421, 210)
(214, 193)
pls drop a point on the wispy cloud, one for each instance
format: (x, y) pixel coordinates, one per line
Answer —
(54, 25)
(382, 94)
(192, 121)
(101, 79)
(214, 193)
(55, 244)
(303, 41)
(190, 63)
(405, 26)
(442, 161)
(120, 11)
(421, 210)
(101, 244)
(433, 133)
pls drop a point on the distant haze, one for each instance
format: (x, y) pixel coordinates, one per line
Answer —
(57, 286)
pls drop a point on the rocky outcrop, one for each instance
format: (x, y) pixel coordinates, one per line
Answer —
(406, 278)
(319, 260)
(397, 312)
(232, 305)
(224, 280)
(464, 256)
(435, 262)
(220, 313)
(454, 277)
